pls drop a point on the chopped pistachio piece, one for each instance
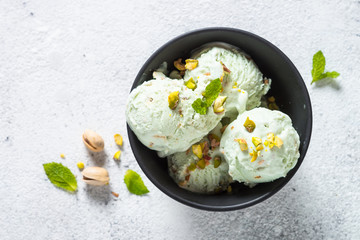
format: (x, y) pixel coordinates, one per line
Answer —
(243, 144)
(270, 137)
(278, 142)
(191, 84)
(173, 100)
(191, 64)
(191, 167)
(249, 125)
(259, 147)
(225, 69)
(217, 161)
(117, 155)
(118, 139)
(256, 141)
(254, 155)
(273, 106)
(197, 150)
(80, 165)
(218, 104)
(179, 65)
(201, 163)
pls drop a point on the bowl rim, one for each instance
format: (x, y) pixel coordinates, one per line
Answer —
(308, 131)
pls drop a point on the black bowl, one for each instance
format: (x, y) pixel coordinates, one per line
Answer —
(288, 88)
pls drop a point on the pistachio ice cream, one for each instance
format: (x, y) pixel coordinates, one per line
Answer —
(261, 145)
(238, 72)
(161, 115)
(201, 168)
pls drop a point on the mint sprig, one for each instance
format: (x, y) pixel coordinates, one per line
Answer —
(319, 67)
(60, 176)
(134, 183)
(211, 92)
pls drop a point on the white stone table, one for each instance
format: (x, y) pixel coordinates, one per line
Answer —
(69, 65)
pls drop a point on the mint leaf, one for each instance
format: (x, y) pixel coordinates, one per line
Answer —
(332, 74)
(199, 106)
(60, 176)
(211, 92)
(134, 183)
(319, 67)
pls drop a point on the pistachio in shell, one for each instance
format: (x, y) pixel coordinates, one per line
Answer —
(96, 176)
(93, 141)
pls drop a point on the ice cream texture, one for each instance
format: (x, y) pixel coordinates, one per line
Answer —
(244, 76)
(164, 129)
(262, 154)
(214, 177)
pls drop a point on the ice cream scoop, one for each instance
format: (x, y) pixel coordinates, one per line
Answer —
(161, 115)
(260, 146)
(238, 72)
(202, 168)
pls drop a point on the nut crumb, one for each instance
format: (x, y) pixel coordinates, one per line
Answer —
(115, 194)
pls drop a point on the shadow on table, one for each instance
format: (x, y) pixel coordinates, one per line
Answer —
(100, 194)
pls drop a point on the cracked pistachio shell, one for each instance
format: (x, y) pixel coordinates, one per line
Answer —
(93, 141)
(96, 176)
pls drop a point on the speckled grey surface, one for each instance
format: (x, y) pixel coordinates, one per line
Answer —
(68, 65)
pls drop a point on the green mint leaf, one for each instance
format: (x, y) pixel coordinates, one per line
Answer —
(318, 65)
(332, 74)
(199, 106)
(134, 183)
(212, 91)
(60, 176)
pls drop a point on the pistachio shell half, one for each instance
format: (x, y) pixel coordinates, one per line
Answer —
(93, 141)
(96, 176)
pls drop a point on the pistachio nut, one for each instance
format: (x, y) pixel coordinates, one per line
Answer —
(191, 64)
(201, 163)
(190, 84)
(179, 65)
(243, 144)
(191, 167)
(218, 104)
(93, 141)
(249, 125)
(259, 147)
(256, 141)
(197, 150)
(254, 155)
(96, 176)
(278, 142)
(173, 100)
(217, 161)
